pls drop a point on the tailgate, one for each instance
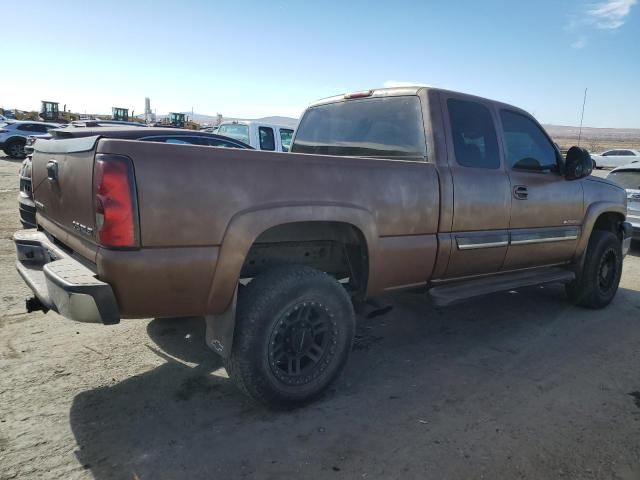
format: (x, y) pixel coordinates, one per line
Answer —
(62, 183)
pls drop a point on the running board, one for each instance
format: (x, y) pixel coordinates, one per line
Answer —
(454, 292)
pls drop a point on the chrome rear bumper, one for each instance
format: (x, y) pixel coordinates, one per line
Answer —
(61, 282)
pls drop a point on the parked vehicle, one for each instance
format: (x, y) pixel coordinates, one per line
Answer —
(386, 190)
(26, 205)
(261, 136)
(13, 136)
(615, 158)
(628, 177)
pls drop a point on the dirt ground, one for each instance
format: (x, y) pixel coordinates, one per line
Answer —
(515, 385)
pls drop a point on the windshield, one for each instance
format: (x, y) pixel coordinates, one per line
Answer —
(626, 178)
(385, 127)
(235, 130)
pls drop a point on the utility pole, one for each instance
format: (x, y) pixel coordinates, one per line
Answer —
(584, 101)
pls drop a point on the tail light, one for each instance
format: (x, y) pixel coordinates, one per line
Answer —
(116, 205)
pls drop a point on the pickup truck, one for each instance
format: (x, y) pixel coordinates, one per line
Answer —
(388, 189)
(261, 136)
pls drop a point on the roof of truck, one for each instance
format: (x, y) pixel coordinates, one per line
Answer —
(400, 91)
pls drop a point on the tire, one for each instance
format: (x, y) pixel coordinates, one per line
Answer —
(294, 330)
(598, 282)
(15, 148)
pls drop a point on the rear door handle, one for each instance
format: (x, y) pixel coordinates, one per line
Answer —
(520, 192)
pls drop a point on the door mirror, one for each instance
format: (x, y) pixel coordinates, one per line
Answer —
(578, 164)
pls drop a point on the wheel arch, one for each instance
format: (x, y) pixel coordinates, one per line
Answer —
(16, 138)
(600, 216)
(245, 228)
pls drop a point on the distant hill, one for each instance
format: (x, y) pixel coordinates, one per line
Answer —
(594, 139)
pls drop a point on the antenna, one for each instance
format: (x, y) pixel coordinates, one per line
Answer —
(584, 101)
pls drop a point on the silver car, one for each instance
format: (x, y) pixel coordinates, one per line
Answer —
(13, 135)
(628, 177)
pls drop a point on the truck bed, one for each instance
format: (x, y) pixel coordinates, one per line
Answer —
(201, 209)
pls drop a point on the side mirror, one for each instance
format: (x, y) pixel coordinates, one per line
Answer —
(578, 164)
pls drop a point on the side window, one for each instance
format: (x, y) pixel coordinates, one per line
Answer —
(474, 135)
(40, 128)
(214, 142)
(178, 141)
(285, 138)
(625, 153)
(267, 140)
(27, 127)
(526, 145)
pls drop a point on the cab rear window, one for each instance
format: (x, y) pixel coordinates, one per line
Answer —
(377, 127)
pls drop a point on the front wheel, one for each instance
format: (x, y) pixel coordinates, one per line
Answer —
(15, 149)
(598, 282)
(294, 330)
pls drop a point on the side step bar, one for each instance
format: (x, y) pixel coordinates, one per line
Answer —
(455, 292)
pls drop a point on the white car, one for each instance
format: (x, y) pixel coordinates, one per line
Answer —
(615, 158)
(13, 135)
(628, 177)
(261, 136)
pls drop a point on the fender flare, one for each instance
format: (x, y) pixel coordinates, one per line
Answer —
(594, 212)
(246, 226)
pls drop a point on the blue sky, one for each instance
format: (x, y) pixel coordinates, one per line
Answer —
(255, 58)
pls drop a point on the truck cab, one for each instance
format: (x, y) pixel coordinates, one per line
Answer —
(261, 136)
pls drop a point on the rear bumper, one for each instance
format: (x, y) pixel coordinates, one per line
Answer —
(62, 283)
(27, 209)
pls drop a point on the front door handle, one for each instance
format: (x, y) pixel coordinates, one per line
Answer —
(520, 192)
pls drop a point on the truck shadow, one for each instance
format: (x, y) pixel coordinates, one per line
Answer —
(415, 364)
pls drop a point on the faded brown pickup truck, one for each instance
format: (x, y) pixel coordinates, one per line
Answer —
(385, 189)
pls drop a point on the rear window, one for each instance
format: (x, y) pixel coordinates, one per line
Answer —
(626, 178)
(235, 130)
(382, 127)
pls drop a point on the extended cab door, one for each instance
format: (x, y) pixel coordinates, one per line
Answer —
(481, 189)
(546, 209)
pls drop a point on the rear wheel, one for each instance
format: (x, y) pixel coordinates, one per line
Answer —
(15, 148)
(598, 282)
(294, 330)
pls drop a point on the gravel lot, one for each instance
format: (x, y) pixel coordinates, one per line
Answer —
(515, 385)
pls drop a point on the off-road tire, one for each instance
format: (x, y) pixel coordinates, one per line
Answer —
(278, 297)
(597, 283)
(15, 148)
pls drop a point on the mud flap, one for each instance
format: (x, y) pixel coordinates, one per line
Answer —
(219, 335)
